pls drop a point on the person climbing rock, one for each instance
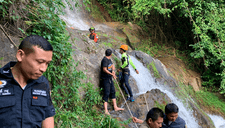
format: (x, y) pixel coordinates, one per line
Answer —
(171, 119)
(93, 35)
(154, 119)
(107, 72)
(126, 60)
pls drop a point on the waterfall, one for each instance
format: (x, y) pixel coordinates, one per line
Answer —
(218, 121)
(77, 19)
(146, 82)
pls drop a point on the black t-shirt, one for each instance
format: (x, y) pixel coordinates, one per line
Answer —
(106, 63)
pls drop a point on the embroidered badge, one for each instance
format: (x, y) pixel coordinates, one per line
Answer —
(4, 92)
(2, 83)
(6, 71)
(39, 92)
(35, 97)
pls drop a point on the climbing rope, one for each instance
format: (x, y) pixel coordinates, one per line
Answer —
(146, 102)
(125, 102)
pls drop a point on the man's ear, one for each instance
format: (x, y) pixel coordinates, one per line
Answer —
(19, 55)
(150, 121)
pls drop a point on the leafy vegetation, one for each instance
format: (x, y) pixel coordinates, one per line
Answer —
(204, 99)
(155, 71)
(194, 27)
(39, 17)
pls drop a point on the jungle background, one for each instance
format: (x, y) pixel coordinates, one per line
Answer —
(189, 32)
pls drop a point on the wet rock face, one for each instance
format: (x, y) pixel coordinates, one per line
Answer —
(203, 120)
(8, 50)
(140, 107)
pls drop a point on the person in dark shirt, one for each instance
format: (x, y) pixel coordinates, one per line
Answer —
(107, 72)
(154, 119)
(171, 119)
(25, 100)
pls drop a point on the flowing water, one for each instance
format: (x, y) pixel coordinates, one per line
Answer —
(146, 82)
(77, 19)
(218, 121)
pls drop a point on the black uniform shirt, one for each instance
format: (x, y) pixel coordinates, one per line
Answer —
(106, 63)
(23, 108)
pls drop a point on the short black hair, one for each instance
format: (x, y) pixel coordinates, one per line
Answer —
(108, 52)
(170, 108)
(35, 40)
(154, 114)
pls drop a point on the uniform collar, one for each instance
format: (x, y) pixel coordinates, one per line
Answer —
(6, 71)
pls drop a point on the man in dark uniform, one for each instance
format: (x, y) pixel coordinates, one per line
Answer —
(107, 72)
(93, 35)
(171, 119)
(154, 119)
(25, 100)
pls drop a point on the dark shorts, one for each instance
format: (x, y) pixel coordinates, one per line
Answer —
(109, 89)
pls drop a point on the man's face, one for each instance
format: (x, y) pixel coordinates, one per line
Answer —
(155, 124)
(121, 51)
(172, 116)
(92, 31)
(34, 64)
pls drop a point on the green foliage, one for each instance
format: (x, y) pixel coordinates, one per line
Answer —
(107, 44)
(155, 71)
(207, 24)
(204, 98)
(119, 10)
(161, 106)
(41, 18)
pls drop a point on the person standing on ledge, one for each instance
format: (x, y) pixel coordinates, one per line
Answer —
(93, 35)
(126, 60)
(107, 72)
(25, 100)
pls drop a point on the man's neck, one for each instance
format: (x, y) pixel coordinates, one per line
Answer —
(18, 76)
(108, 57)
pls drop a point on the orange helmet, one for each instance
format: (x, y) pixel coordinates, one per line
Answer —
(124, 47)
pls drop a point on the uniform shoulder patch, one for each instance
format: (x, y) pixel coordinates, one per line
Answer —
(2, 83)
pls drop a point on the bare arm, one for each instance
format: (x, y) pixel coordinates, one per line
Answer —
(108, 72)
(136, 120)
(48, 122)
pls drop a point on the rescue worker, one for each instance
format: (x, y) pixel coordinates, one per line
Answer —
(25, 100)
(126, 60)
(154, 119)
(171, 119)
(107, 72)
(93, 35)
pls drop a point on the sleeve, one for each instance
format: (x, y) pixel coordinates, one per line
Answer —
(49, 110)
(124, 58)
(96, 38)
(131, 63)
(104, 63)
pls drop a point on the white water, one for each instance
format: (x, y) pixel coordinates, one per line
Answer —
(75, 18)
(218, 121)
(146, 83)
